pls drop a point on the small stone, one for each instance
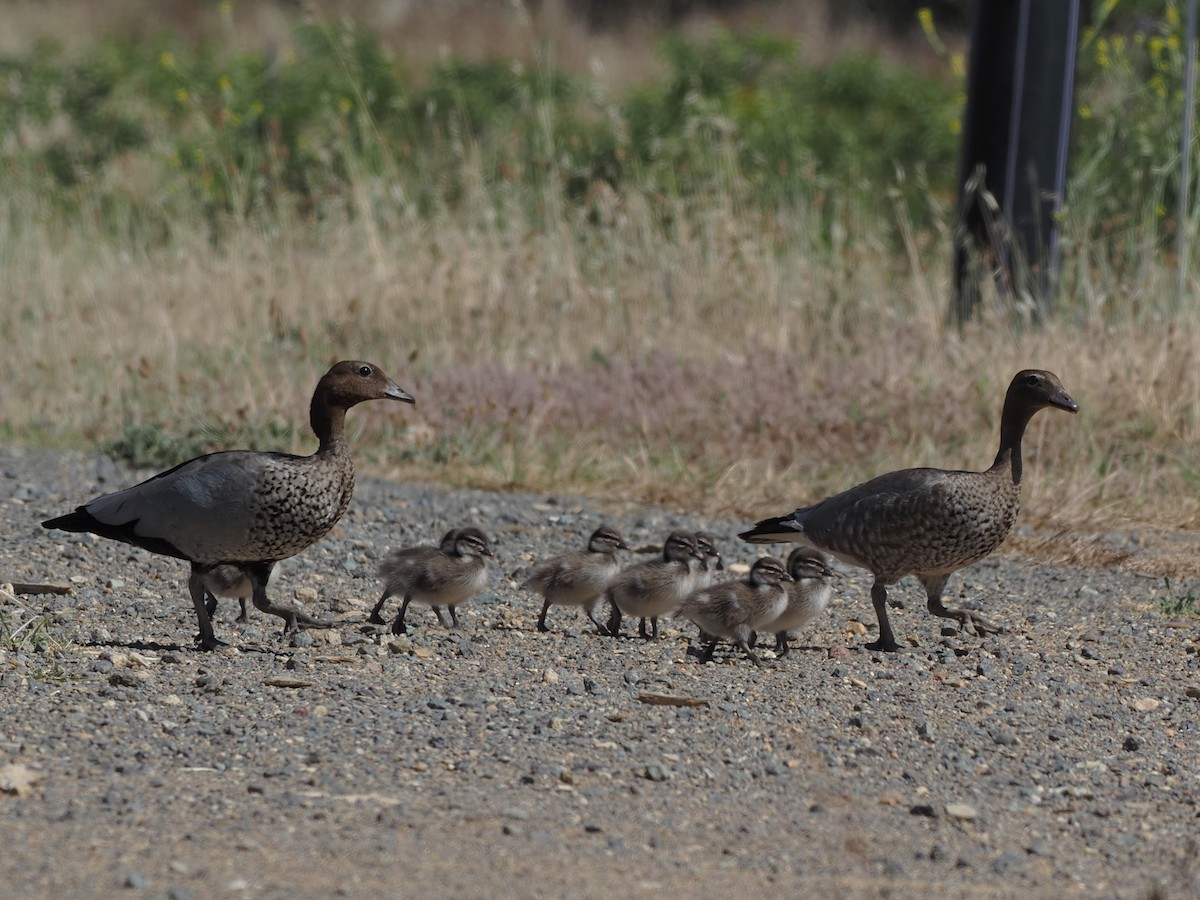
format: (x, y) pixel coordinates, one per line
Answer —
(923, 809)
(854, 627)
(656, 772)
(1131, 744)
(1193, 692)
(135, 881)
(1146, 704)
(839, 652)
(962, 811)
(550, 676)
(306, 594)
(330, 637)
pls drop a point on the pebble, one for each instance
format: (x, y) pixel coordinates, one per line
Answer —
(963, 811)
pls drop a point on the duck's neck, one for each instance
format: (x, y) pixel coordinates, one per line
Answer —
(1012, 428)
(328, 424)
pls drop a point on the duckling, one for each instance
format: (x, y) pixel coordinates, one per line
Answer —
(808, 594)
(712, 562)
(734, 610)
(438, 579)
(657, 587)
(231, 581)
(400, 561)
(578, 578)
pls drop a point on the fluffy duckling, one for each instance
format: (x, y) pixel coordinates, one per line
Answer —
(808, 594)
(400, 561)
(231, 581)
(578, 578)
(734, 610)
(655, 588)
(437, 579)
(713, 564)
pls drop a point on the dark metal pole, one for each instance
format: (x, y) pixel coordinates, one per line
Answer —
(1183, 218)
(1016, 134)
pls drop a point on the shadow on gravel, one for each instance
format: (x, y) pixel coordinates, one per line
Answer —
(154, 646)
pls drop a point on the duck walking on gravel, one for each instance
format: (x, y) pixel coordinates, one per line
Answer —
(578, 578)
(438, 579)
(808, 594)
(657, 587)
(735, 610)
(245, 508)
(926, 522)
(397, 564)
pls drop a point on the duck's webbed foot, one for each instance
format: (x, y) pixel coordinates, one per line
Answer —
(210, 643)
(967, 619)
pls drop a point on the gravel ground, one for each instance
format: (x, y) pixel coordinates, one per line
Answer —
(1056, 760)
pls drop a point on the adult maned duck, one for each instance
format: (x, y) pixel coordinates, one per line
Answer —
(245, 508)
(925, 522)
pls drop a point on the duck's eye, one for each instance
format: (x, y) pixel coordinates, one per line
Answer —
(364, 371)
(1033, 378)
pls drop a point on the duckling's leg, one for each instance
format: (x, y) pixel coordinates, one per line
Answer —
(750, 653)
(375, 618)
(590, 609)
(709, 647)
(642, 632)
(293, 619)
(542, 626)
(454, 615)
(244, 616)
(887, 640)
(781, 644)
(614, 620)
(206, 638)
(934, 586)
(210, 601)
(441, 618)
(398, 626)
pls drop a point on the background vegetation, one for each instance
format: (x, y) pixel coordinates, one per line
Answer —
(722, 283)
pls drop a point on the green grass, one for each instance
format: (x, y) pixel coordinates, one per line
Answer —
(1174, 604)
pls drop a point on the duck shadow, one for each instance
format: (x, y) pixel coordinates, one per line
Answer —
(156, 647)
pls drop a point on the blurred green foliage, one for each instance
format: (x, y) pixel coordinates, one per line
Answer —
(248, 133)
(147, 132)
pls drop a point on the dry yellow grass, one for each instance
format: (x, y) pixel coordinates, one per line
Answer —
(730, 367)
